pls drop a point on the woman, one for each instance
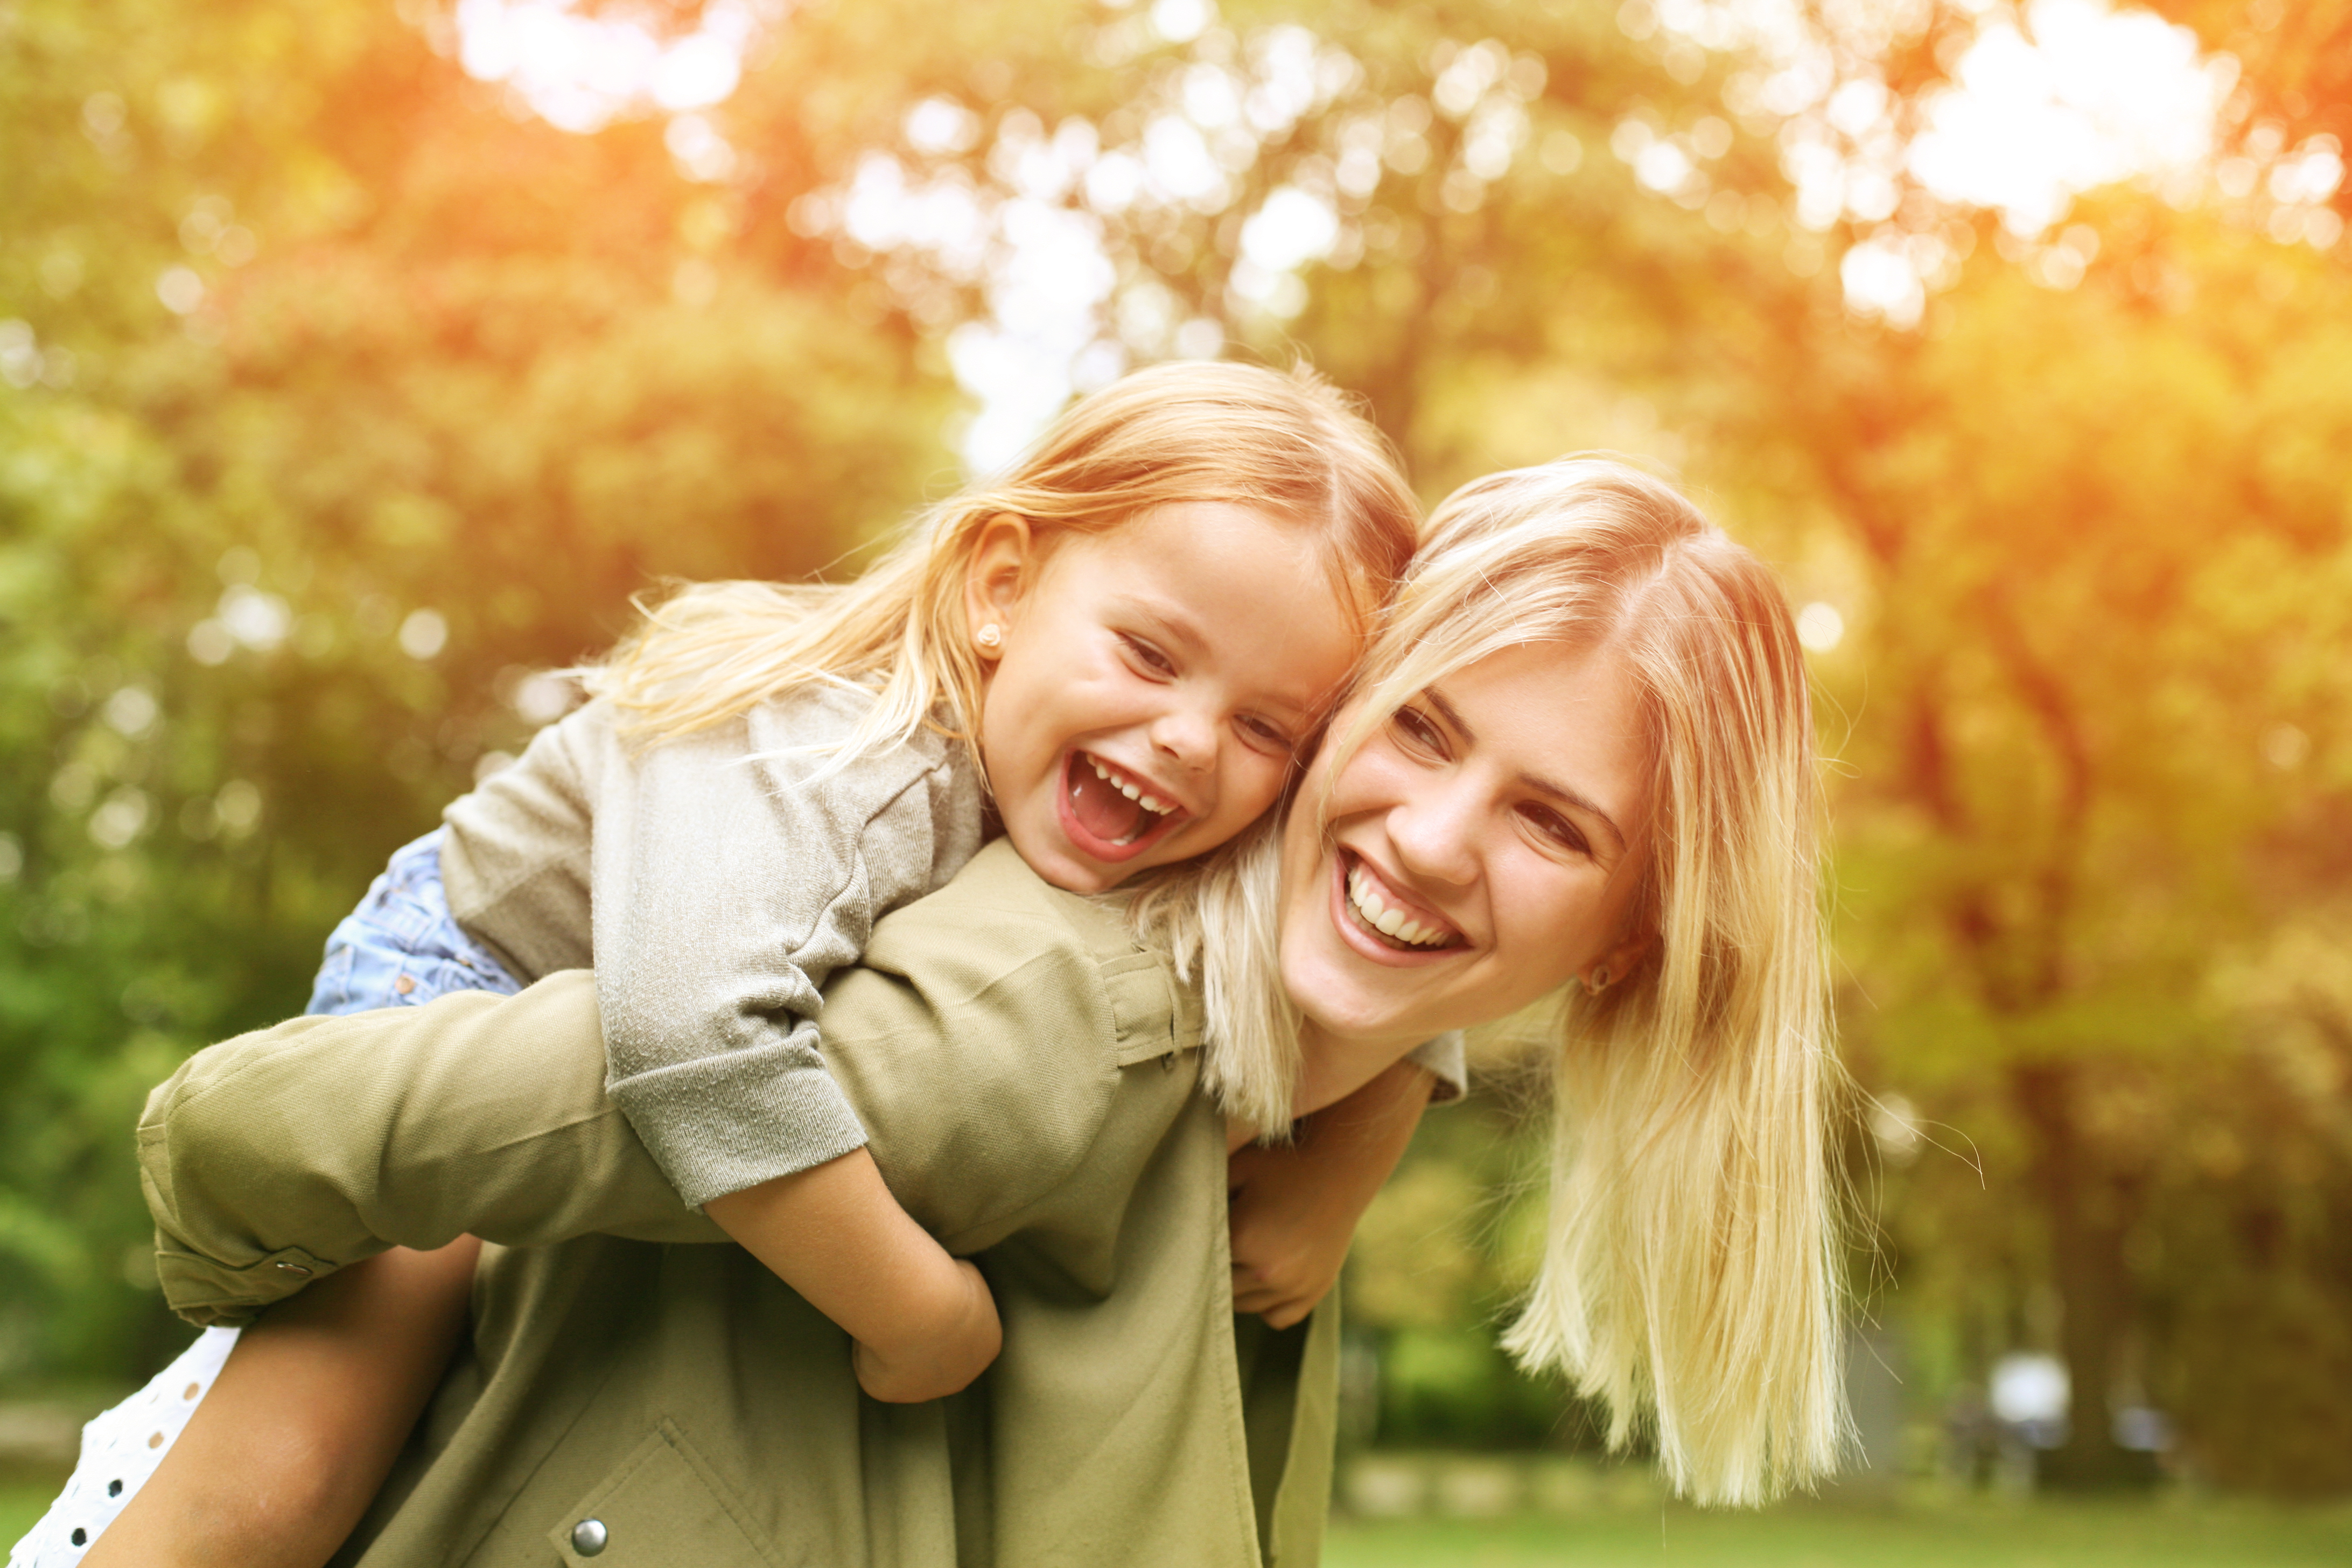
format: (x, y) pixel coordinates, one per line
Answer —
(1579, 757)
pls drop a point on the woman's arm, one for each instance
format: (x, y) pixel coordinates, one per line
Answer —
(982, 1042)
(285, 1154)
(1295, 1207)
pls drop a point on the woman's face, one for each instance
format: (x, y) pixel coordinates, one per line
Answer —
(1482, 847)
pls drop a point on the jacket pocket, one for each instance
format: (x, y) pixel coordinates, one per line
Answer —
(662, 1507)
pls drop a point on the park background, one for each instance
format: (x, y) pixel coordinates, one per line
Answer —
(358, 360)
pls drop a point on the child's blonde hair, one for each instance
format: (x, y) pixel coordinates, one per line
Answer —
(1690, 1273)
(1286, 443)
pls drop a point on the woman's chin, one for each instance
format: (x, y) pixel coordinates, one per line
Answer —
(1344, 998)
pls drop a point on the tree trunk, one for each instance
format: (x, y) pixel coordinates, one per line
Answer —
(2086, 1266)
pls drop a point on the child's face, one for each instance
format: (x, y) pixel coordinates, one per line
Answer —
(1154, 682)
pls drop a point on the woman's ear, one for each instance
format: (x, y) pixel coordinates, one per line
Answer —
(1613, 966)
(995, 577)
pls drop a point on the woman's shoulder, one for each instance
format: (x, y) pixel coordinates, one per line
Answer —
(1045, 960)
(994, 1035)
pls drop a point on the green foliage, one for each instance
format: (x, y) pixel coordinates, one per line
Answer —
(1803, 1534)
(271, 572)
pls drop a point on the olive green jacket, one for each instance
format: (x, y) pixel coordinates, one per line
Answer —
(1028, 1074)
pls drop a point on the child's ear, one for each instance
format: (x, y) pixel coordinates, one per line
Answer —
(995, 576)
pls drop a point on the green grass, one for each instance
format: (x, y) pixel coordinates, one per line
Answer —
(1965, 1534)
(2041, 1534)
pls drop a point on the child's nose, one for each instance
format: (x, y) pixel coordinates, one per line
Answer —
(1187, 738)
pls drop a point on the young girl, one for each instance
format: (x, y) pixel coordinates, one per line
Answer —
(1114, 655)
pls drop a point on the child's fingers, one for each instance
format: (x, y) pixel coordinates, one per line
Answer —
(1280, 1305)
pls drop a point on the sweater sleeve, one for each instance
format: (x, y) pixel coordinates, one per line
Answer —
(733, 874)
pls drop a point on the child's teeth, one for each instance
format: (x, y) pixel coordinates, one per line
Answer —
(1151, 804)
(1100, 772)
(1129, 791)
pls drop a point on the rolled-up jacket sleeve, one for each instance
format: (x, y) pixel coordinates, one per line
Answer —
(290, 1153)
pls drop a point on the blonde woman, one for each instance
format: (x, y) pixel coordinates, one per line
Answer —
(1578, 761)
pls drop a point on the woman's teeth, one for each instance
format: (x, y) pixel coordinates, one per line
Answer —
(1388, 922)
(1127, 787)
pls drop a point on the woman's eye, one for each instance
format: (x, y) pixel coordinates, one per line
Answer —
(1558, 828)
(1419, 733)
(1149, 657)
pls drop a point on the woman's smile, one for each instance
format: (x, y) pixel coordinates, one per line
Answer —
(1384, 924)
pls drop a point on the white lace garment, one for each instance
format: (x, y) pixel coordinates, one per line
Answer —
(120, 1449)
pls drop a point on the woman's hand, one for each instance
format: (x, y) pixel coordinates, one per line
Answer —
(1293, 1209)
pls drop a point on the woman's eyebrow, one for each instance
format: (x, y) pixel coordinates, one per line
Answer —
(1541, 786)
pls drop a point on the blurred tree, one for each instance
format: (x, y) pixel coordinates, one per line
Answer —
(342, 398)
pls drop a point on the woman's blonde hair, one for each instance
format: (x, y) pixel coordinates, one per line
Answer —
(1690, 1273)
(1286, 443)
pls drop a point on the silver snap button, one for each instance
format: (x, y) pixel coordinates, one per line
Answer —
(588, 1537)
(293, 1269)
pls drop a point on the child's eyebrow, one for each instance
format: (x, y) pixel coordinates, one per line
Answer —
(1168, 619)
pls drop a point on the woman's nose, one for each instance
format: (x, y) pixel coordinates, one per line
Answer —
(1434, 831)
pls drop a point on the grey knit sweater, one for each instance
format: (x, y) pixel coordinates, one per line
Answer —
(713, 885)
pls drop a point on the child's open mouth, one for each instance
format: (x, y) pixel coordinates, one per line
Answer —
(1111, 813)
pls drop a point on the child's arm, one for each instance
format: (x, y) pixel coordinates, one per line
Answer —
(303, 1423)
(741, 877)
(1294, 1208)
(924, 1322)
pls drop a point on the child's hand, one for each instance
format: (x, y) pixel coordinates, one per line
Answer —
(941, 1351)
(1292, 1221)
(922, 1323)
(1294, 1210)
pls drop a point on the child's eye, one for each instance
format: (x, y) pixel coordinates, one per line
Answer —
(1557, 828)
(1149, 657)
(1419, 733)
(1264, 734)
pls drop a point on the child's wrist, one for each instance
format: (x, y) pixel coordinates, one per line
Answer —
(936, 1302)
